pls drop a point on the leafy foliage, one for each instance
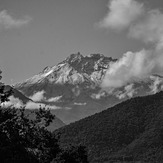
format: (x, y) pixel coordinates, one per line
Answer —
(128, 132)
(25, 139)
(72, 154)
(4, 94)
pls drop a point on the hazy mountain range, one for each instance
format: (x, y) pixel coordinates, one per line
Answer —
(130, 130)
(72, 88)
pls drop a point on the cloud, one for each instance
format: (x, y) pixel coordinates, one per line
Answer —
(80, 104)
(7, 21)
(15, 102)
(99, 95)
(157, 81)
(38, 96)
(122, 13)
(146, 27)
(33, 105)
(54, 99)
(131, 67)
(129, 91)
(149, 29)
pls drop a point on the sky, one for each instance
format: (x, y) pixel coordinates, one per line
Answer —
(39, 33)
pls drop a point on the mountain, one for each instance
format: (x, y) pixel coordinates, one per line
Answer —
(131, 131)
(74, 87)
(55, 124)
(18, 97)
(17, 94)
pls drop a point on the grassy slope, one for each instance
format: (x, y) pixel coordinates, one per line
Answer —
(129, 131)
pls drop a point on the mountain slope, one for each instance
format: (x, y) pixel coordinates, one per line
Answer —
(130, 131)
(74, 87)
(55, 124)
(17, 94)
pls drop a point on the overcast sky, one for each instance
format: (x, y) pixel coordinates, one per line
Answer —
(39, 33)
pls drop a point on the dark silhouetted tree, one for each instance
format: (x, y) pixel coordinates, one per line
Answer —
(25, 139)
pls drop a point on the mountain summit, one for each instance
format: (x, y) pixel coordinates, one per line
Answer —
(74, 87)
(75, 69)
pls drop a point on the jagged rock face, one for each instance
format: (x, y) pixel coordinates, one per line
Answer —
(74, 86)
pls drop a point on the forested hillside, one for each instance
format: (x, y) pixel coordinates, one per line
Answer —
(130, 131)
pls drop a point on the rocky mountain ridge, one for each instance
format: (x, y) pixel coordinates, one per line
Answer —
(75, 69)
(74, 87)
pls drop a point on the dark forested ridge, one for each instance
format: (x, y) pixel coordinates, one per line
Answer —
(128, 132)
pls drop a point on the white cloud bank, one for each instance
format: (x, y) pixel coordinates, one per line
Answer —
(142, 24)
(38, 96)
(128, 92)
(99, 95)
(33, 105)
(17, 103)
(54, 99)
(7, 21)
(156, 83)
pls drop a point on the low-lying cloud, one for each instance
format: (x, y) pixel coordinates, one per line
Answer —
(142, 24)
(129, 91)
(54, 99)
(80, 103)
(17, 103)
(38, 96)
(33, 105)
(157, 81)
(99, 95)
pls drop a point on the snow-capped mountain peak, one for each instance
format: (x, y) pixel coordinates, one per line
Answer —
(74, 85)
(75, 69)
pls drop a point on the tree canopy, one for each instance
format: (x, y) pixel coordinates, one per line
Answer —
(27, 140)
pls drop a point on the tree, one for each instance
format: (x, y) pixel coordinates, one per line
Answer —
(4, 94)
(25, 139)
(75, 154)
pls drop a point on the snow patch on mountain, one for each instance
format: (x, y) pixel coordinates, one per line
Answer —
(48, 73)
(76, 78)
(97, 76)
(75, 69)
